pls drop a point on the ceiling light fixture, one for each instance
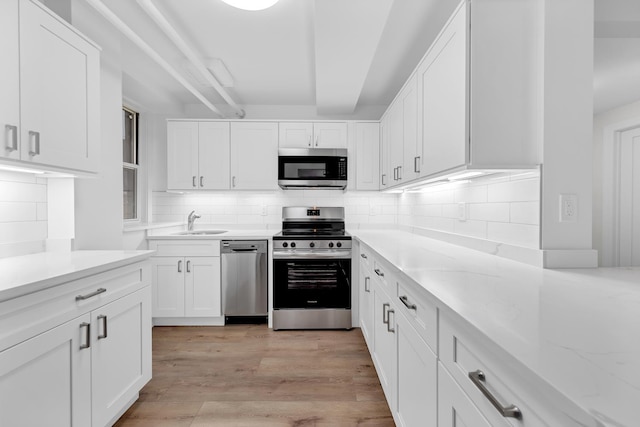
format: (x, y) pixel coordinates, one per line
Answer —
(251, 4)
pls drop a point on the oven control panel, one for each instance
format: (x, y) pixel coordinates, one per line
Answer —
(311, 244)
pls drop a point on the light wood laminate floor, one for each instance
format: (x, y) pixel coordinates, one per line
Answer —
(249, 375)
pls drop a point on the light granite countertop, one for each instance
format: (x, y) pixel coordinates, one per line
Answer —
(26, 274)
(577, 329)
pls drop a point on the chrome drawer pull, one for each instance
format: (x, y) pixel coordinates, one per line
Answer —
(407, 304)
(511, 411)
(87, 336)
(389, 328)
(378, 272)
(104, 326)
(35, 137)
(363, 256)
(193, 181)
(92, 294)
(14, 138)
(367, 287)
(385, 315)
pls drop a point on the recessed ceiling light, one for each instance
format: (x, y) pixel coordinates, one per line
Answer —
(251, 4)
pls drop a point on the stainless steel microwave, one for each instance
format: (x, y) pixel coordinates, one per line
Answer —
(312, 168)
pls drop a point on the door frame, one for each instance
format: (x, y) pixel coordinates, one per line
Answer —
(611, 190)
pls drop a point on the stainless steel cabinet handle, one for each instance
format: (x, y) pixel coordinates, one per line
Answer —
(389, 328)
(189, 266)
(399, 173)
(363, 256)
(407, 304)
(193, 181)
(103, 317)
(35, 137)
(395, 174)
(233, 181)
(87, 335)
(14, 138)
(416, 164)
(317, 140)
(201, 183)
(367, 286)
(385, 313)
(511, 411)
(92, 294)
(384, 179)
(180, 266)
(378, 272)
(309, 140)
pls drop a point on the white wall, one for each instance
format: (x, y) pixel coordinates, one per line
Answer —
(503, 209)
(23, 213)
(98, 202)
(601, 122)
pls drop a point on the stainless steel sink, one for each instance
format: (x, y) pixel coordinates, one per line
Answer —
(200, 232)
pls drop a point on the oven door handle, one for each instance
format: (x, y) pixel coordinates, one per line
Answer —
(312, 255)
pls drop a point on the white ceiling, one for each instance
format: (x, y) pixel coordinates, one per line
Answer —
(337, 58)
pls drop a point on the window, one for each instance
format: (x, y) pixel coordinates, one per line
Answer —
(130, 163)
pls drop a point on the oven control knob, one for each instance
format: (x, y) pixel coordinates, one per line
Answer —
(293, 244)
(312, 245)
(330, 244)
(339, 244)
(285, 244)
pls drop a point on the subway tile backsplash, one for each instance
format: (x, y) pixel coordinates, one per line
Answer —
(502, 208)
(23, 213)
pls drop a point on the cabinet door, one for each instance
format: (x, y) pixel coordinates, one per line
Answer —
(60, 92)
(202, 287)
(396, 144)
(385, 343)
(367, 156)
(417, 378)
(442, 80)
(254, 156)
(46, 380)
(411, 160)
(167, 277)
(330, 135)
(9, 81)
(182, 155)
(366, 307)
(121, 353)
(213, 155)
(386, 170)
(455, 409)
(295, 135)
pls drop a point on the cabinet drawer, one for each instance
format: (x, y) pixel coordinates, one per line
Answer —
(420, 312)
(365, 258)
(464, 354)
(27, 316)
(185, 248)
(383, 273)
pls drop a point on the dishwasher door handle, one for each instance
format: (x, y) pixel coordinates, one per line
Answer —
(244, 250)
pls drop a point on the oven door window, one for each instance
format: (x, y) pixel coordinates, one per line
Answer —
(312, 283)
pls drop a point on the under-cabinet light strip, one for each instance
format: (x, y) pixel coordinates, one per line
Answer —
(150, 8)
(131, 35)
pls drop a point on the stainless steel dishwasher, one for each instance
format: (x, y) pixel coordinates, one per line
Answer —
(244, 279)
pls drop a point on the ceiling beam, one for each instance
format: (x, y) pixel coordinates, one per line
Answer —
(347, 34)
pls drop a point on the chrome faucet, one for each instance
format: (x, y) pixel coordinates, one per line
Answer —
(191, 219)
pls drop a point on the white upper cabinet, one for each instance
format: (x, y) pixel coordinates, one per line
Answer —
(412, 150)
(442, 78)
(254, 156)
(313, 135)
(9, 80)
(59, 92)
(395, 144)
(386, 179)
(367, 156)
(197, 155)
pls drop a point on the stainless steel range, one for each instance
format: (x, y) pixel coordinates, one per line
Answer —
(312, 270)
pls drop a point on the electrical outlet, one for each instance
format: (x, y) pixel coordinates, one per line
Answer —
(462, 211)
(264, 210)
(568, 208)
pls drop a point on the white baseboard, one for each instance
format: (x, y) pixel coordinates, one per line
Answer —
(188, 321)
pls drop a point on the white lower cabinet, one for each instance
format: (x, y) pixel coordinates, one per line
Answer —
(120, 354)
(384, 339)
(186, 286)
(417, 378)
(85, 370)
(366, 305)
(46, 380)
(455, 409)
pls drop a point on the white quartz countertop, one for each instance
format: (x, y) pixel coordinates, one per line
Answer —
(26, 274)
(577, 329)
(241, 234)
